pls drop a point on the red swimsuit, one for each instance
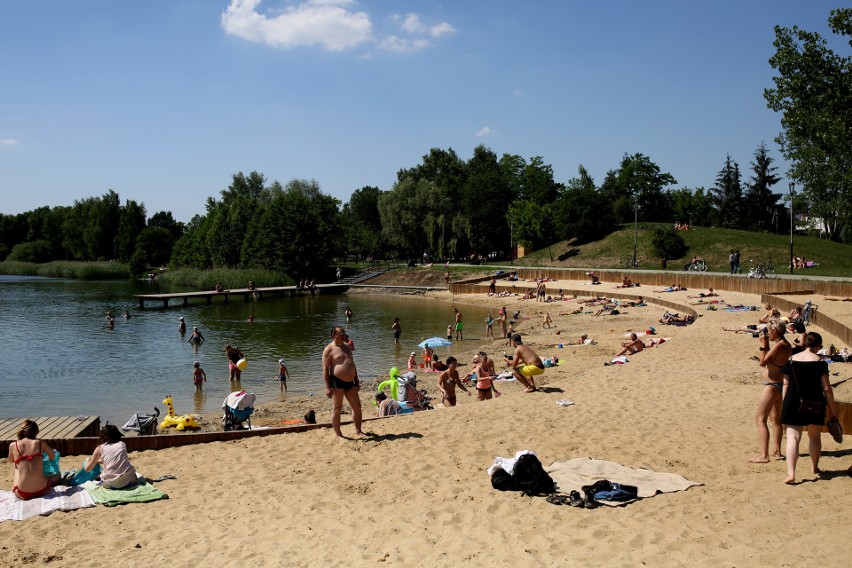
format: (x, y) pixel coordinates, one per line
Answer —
(23, 494)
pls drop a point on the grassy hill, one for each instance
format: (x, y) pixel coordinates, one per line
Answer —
(713, 244)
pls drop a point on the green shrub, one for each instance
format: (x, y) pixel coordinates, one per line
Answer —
(668, 244)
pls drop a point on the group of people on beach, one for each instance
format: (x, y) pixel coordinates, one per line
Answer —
(796, 395)
(28, 454)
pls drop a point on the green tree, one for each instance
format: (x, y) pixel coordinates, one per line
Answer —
(582, 211)
(692, 207)
(668, 244)
(132, 223)
(362, 224)
(296, 230)
(728, 195)
(813, 93)
(759, 202)
(638, 181)
(484, 200)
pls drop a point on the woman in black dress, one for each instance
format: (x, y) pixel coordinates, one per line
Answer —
(806, 379)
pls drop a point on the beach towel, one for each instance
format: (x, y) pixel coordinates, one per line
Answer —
(573, 474)
(142, 492)
(739, 309)
(59, 499)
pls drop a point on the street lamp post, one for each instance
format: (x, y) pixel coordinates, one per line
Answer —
(635, 222)
(791, 186)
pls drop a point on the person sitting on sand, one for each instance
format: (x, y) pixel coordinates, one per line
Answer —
(709, 294)
(770, 313)
(626, 282)
(795, 314)
(635, 345)
(437, 364)
(28, 480)
(448, 381)
(525, 363)
(771, 359)
(387, 406)
(676, 318)
(117, 471)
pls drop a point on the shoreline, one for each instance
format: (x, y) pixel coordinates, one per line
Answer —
(416, 492)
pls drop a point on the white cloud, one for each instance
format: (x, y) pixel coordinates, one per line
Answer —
(404, 45)
(485, 131)
(332, 24)
(312, 22)
(8, 142)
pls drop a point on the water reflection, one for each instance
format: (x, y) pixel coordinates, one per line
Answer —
(200, 398)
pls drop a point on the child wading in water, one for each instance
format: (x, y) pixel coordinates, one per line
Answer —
(198, 375)
(282, 374)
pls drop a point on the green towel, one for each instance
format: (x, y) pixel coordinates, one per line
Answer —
(142, 492)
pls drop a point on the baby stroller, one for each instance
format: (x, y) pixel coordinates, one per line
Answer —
(145, 424)
(411, 395)
(238, 408)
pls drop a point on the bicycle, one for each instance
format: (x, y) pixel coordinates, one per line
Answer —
(761, 271)
(631, 262)
(697, 266)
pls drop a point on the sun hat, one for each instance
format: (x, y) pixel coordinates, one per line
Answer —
(281, 361)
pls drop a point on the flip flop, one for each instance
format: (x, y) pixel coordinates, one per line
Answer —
(163, 478)
(836, 430)
(556, 499)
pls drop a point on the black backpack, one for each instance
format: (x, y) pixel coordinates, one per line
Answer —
(528, 476)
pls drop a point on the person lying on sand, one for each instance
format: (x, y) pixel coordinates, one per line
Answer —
(709, 294)
(676, 318)
(672, 288)
(753, 329)
(582, 340)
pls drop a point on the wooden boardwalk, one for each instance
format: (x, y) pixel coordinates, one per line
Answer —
(50, 428)
(248, 295)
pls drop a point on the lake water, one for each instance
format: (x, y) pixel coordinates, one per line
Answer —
(60, 359)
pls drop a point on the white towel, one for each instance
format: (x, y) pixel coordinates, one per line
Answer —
(58, 499)
(508, 464)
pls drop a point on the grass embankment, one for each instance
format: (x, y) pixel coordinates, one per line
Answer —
(68, 269)
(230, 278)
(713, 244)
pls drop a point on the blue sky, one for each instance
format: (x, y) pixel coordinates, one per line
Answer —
(163, 101)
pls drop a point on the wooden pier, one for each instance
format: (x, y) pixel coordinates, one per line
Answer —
(247, 294)
(50, 428)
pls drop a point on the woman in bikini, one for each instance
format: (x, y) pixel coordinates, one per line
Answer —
(485, 373)
(448, 381)
(28, 480)
(772, 359)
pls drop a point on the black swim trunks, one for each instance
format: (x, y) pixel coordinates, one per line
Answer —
(341, 384)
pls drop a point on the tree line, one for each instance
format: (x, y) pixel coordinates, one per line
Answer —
(449, 208)
(444, 207)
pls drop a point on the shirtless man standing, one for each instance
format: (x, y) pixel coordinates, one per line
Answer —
(341, 380)
(525, 363)
(459, 334)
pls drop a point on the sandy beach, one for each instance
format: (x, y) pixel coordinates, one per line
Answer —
(417, 493)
